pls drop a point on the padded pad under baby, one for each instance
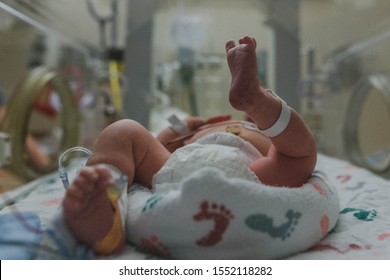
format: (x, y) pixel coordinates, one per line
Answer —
(210, 216)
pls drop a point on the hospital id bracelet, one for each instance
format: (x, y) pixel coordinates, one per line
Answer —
(280, 125)
(178, 126)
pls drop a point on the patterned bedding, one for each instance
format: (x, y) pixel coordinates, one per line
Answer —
(362, 230)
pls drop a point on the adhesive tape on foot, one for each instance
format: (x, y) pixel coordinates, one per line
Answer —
(280, 125)
(110, 243)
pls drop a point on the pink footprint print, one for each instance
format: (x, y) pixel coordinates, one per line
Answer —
(319, 189)
(383, 236)
(221, 217)
(351, 247)
(324, 224)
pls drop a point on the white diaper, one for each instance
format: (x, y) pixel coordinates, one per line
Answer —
(224, 151)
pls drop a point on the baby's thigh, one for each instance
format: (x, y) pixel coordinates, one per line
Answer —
(131, 148)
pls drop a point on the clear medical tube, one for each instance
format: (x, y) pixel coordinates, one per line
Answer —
(61, 168)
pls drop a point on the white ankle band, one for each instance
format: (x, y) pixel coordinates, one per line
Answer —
(280, 125)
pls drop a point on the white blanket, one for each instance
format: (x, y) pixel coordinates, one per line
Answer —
(362, 230)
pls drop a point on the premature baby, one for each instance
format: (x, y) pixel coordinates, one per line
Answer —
(277, 149)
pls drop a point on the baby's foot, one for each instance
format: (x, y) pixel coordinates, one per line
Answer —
(244, 70)
(88, 212)
(156, 247)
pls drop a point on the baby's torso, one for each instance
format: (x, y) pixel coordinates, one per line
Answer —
(244, 130)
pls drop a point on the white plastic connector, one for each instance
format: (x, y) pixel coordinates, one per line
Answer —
(177, 125)
(5, 149)
(61, 169)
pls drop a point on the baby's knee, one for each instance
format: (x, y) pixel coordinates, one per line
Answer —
(124, 128)
(116, 142)
(124, 124)
(119, 135)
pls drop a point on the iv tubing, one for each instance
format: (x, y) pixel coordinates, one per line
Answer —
(61, 168)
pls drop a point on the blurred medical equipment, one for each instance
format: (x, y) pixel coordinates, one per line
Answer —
(335, 97)
(188, 34)
(312, 92)
(19, 110)
(112, 56)
(376, 158)
(5, 141)
(5, 149)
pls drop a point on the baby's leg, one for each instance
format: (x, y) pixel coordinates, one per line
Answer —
(292, 156)
(132, 149)
(88, 212)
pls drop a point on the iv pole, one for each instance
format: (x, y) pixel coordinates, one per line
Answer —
(111, 55)
(103, 20)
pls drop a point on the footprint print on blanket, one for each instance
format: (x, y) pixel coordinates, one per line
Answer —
(151, 202)
(220, 215)
(263, 223)
(361, 214)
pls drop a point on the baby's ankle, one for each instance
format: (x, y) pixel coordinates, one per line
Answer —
(256, 103)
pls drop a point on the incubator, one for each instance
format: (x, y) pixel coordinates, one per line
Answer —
(60, 91)
(173, 62)
(346, 101)
(5, 149)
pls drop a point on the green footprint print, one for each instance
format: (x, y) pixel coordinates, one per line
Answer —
(361, 214)
(151, 202)
(263, 223)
